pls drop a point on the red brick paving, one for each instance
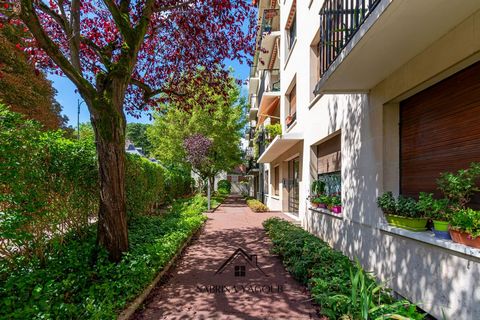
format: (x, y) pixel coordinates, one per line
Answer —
(195, 291)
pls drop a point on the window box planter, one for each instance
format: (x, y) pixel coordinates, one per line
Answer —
(412, 224)
(440, 229)
(464, 238)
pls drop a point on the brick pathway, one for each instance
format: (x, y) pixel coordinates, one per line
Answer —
(207, 285)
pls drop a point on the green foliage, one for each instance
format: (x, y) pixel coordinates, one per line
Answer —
(221, 121)
(341, 289)
(437, 209)
(224, 186)
(49, 186)
(318, 187)
(387, 203)
(137, 134)
(467, 220)
(458, 187)
(273, 130)
(407, 207)
(65, 285)
(256, 205)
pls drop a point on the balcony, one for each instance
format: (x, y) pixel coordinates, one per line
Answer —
(252, 115)
(363, 42)
(269, 95)
(268, 42)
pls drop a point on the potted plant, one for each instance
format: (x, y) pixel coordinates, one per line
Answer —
(465, 227)
(336, 204)
(459, 187)
(318, 187)
(402, 212)
(324, 201)
(438, 210)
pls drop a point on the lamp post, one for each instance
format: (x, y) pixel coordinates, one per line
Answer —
(78, 117)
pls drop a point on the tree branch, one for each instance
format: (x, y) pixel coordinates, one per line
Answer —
(31, 20)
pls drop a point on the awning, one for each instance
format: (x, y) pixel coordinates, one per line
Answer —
(268, 105)
(279, 145)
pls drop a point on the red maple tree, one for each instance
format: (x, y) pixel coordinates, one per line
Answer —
(128, 55)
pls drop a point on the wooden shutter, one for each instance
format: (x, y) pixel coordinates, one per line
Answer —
(329, 155)
(440, 131)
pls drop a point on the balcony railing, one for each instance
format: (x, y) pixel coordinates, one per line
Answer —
(270, 23)
(339, 21)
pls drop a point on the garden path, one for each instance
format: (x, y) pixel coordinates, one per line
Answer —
(206, 284)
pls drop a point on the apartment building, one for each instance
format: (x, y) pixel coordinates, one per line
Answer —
(375, 96)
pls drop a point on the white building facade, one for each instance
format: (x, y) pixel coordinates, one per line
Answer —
(378, 95)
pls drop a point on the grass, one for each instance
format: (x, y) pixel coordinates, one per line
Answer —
(67, 286)
(341, 288)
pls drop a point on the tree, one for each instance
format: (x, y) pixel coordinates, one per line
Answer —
(22, 88)
(206, 136)
(137, 133)
(128, 55)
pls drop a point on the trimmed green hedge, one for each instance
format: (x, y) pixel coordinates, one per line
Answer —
(65, 285)
(256, 205)
(224, 186)
(49, 186)
(341, 288)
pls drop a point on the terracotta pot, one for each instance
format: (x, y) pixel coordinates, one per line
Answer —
(464, 238)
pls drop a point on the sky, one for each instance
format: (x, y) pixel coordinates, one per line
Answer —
(67, 97)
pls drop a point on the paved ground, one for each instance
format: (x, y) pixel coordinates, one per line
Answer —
(204, 284)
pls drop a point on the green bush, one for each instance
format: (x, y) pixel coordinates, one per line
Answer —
(256, 205)
(224, 186)
(468, 221)
(49, 185)
(341, 289)
(65, 285)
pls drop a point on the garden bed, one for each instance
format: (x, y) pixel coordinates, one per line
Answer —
(66, 285)
(340, 287)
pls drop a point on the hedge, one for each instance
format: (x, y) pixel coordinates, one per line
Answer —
(257, 206)
(66, 285)
(341, 288)
(49, 185)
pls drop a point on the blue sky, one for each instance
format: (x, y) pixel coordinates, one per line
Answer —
(67, 97)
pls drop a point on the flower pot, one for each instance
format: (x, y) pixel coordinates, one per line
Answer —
(412, 224)
(315, 205)
(464, 238)
(440, 229)
(322, 206)
(337, 209)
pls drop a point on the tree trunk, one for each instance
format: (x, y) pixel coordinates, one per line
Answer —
(109, 124)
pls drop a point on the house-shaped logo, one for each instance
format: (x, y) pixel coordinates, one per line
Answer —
(242, 263)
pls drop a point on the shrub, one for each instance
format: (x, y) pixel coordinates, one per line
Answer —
(273, 130)
(49, 186)
(387, 203)
(407, 207)
(468, 221)
(343, 290)
(458, 187)
(224, 186)
(256, 205)
(65, 285)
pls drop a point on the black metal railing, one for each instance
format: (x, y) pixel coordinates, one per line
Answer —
(339, 21)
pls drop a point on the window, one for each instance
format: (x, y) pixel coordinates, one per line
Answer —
(277, 180)
(291, 28)
(329, 164)
(292, 32)
(239, 271)
(265, 185)
(292, 107)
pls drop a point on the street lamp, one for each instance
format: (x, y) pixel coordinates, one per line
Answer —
(78, 117)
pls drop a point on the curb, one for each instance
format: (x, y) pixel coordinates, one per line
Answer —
(130, 310)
